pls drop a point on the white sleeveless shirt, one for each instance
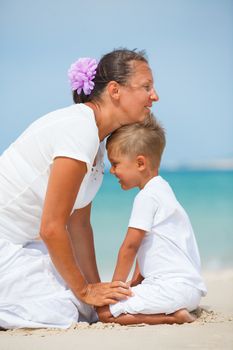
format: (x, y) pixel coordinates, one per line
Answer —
(25, 168)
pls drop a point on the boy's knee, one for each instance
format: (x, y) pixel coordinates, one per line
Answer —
(104, 314)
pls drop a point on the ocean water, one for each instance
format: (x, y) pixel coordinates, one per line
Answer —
(207, 197)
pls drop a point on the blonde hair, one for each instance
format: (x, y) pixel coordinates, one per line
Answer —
(146, 138)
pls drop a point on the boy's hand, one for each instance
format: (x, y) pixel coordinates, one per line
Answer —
(135, 281)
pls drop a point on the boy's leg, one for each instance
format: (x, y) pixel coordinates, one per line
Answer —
(180, 316)
(153, 303)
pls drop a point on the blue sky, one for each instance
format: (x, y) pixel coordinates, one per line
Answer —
(189, 44)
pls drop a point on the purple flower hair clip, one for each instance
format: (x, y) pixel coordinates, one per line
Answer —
(81, 74)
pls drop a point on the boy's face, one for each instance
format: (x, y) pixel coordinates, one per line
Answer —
(126, 169)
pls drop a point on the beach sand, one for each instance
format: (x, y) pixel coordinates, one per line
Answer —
(213, 328)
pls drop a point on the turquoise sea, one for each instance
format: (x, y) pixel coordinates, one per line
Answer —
(207, 196)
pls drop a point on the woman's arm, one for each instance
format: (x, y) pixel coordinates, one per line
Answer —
(64, 182)
(127, 253)
(81, 234)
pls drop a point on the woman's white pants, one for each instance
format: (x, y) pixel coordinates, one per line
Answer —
(32, 293)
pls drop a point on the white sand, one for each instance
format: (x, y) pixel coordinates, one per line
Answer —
(212, 330)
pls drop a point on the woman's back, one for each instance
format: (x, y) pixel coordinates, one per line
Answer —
(25, 166)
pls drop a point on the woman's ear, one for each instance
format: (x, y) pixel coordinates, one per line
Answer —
(141, 162)
(113, 89)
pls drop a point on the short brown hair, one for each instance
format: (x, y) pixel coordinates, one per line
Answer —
(146, 138)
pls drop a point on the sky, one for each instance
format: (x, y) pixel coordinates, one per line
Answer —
(189, 45)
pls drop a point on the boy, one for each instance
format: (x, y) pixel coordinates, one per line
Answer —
(166, 284)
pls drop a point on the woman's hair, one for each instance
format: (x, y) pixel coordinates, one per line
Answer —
(114, 66)
(146, 138)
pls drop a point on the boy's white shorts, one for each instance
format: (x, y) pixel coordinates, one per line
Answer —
(154, 296)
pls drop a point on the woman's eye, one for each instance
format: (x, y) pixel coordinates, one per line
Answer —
(147, 87)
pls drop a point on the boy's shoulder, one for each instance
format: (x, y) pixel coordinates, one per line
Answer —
(151, 191)
(157, 189)
(156, 185)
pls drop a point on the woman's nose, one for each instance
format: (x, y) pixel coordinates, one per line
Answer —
(154, 97)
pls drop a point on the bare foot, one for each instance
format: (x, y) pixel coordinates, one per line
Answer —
(183, 316)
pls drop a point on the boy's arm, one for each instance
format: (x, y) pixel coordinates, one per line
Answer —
(137, 277)
(127, 253)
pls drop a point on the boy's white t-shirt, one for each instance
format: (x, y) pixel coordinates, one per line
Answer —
(25, 168)
(169, 249)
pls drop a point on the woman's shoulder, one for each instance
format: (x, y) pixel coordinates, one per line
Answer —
(74, 116)
(74, 122)
(77, 111)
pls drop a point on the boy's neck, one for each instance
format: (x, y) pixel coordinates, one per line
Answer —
(147, 177)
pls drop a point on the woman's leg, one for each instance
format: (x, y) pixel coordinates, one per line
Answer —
(32, 294)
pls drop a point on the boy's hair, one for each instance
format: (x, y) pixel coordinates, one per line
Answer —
(146, 138)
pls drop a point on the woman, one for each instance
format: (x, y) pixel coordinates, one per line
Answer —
(48, 179)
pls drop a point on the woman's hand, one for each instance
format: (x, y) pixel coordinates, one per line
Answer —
(100, 294)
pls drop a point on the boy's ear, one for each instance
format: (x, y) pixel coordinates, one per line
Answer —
(141, 162)
(114, 90)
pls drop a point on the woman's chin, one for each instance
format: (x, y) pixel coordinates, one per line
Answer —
(146, 113)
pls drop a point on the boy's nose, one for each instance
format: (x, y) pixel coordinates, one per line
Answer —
(111, 170)
(154, 97)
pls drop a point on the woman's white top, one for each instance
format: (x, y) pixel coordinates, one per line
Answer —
(25, 168)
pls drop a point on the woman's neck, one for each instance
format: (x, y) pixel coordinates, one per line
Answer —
(105, 119)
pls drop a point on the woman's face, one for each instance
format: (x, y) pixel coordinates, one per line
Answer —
(138, 95)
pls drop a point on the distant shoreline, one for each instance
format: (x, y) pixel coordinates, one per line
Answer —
(187, 169)
(224, 164)
(214, 166)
